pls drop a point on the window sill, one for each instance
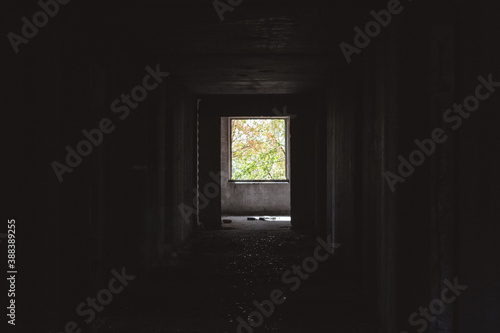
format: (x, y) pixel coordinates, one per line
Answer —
(247, 182)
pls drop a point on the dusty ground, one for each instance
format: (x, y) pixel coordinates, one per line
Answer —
(219, 274)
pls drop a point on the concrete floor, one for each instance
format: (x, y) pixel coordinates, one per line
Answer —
(241, 223)
(217, 276)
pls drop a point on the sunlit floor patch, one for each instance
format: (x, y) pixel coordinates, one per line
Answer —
(256, 222)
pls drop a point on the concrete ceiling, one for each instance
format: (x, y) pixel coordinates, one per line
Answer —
(261, 47)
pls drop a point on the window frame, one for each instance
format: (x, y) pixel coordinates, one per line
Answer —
(287, 151)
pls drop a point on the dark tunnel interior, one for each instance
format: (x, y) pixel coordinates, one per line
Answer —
(121, 211)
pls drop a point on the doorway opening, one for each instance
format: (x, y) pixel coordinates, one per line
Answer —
(255, 165)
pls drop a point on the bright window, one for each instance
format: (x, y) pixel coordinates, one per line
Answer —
(258, 149)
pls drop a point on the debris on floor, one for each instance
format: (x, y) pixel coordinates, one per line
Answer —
(267, 218)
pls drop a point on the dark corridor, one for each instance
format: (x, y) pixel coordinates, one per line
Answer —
(112, 175)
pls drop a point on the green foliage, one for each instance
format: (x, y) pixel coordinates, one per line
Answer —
(258, 149)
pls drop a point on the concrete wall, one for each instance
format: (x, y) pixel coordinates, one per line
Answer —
(477, 191)
(401, 246)
(358, 145)
(249, 199)
(119, 207)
